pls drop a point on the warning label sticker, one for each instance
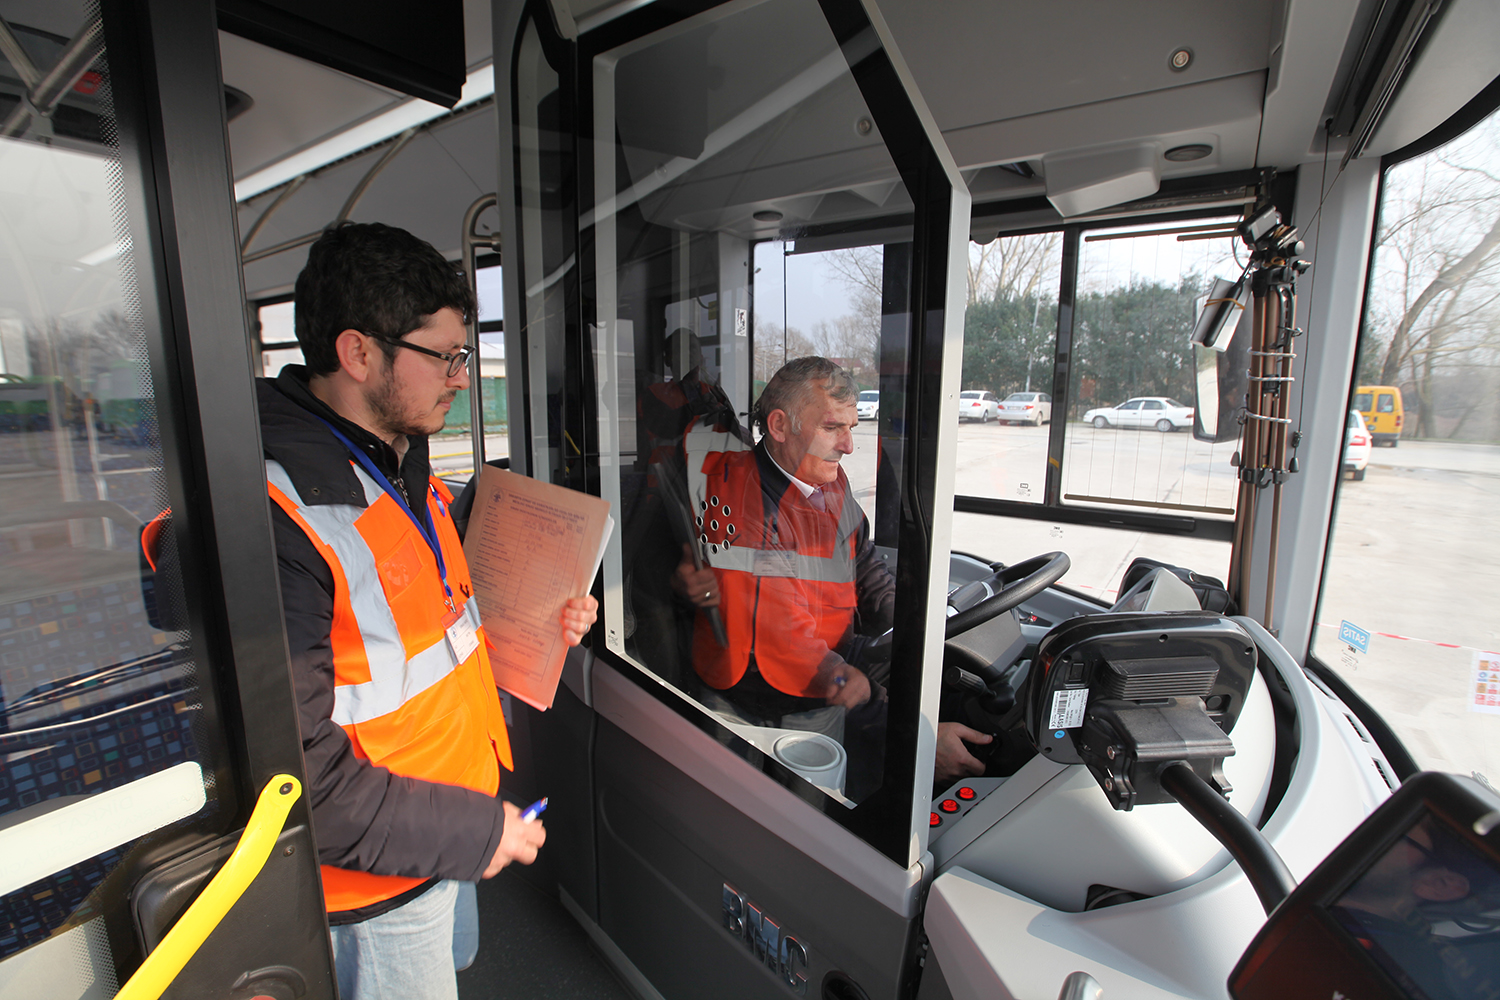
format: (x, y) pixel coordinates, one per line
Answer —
(1067, 708)
(1485, 690)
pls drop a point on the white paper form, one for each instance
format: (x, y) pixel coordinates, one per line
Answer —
(530, 547)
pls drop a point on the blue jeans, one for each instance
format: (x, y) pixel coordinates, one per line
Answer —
(410, 952)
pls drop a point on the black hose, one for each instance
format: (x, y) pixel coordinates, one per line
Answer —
(1268, 874)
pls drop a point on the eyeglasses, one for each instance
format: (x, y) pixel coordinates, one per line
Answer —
(456, 359)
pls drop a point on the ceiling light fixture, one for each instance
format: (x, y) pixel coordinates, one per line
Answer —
(767, 215)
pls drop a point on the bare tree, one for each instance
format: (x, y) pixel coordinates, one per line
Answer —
(1013, 267)
(775, 346)
(1436, 280)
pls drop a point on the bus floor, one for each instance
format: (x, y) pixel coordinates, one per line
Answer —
(529, 946)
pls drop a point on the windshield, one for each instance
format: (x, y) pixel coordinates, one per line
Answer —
(869, 397)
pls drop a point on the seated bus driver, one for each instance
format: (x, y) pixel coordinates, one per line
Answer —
(792, 568)
(402, 732)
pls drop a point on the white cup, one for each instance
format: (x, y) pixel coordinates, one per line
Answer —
(818, 758)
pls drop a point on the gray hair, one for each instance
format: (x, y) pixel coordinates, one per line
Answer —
(792, 385)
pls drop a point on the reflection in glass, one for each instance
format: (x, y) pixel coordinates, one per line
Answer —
(719, 144)
(99, 687)
(1427, 912)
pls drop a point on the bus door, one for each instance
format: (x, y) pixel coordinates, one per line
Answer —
(147, 727)
(670, 165)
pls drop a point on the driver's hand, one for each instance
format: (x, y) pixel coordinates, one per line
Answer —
(848, 687)
(953, 758)
(699, 586)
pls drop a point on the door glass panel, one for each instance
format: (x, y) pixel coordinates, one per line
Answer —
(1407, 612)
(1010, 337)
(1129, 438)
(109, 732)
(825, 303)
(728, 143)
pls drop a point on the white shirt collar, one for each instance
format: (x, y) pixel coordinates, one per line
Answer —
(807, 490)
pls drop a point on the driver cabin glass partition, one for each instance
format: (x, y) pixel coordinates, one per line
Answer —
(744, 576)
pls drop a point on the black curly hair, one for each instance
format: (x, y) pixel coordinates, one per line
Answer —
(376, 279)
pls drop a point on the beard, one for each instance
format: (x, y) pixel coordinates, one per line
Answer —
(399, 416)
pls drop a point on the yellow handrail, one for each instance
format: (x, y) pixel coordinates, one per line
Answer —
(222, 892)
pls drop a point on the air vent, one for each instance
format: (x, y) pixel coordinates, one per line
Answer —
(1162, 677)
(1358, 728)
(1385, 773)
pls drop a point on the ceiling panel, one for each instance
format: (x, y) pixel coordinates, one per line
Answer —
(296, 102)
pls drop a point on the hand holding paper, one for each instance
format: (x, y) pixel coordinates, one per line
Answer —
(579, 615)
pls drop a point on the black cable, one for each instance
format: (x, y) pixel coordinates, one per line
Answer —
(1268, 874)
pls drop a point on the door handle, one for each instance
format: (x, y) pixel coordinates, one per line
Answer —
(219, 896)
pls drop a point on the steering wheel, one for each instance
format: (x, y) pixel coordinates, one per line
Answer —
(1016, 583)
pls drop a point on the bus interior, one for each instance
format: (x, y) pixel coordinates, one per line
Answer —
(1159, 247)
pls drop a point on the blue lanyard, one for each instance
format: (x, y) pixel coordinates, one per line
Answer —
(424, 523)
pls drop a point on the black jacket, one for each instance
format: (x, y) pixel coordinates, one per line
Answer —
(364, 818)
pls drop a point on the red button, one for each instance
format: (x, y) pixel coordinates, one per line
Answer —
(966, 792)
(948, 806)
(933, 819)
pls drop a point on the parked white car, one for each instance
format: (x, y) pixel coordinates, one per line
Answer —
(1034, 408)
(1161, 412)
(1357, 445)
(977, 404)
(868, 404)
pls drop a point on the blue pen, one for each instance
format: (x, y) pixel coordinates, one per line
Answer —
(534, 810)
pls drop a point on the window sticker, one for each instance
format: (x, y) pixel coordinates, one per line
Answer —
(1485, 690)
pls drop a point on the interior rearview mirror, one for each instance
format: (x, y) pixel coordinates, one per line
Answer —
(1221, 361)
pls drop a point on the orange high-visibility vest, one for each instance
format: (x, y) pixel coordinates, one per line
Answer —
(786, 570)
(395, 673)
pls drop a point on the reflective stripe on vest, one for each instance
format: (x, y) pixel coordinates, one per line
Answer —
(698, 444)
(394, 678)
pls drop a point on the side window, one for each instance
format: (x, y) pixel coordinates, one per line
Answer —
(1151, 404)
(1133, 404)
(107, 687)
(494, 396)
(1407, 609)
(1010, 338)
(278, 337)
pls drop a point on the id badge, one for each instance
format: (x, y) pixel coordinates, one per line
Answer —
(462, 638)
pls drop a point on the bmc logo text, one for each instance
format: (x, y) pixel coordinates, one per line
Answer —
(781, 953)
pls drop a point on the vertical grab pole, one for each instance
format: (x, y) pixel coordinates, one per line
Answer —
(1274, 265)
(1251, 453)
(1286, 308)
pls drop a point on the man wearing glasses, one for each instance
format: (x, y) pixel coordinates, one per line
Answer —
(402, 731)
